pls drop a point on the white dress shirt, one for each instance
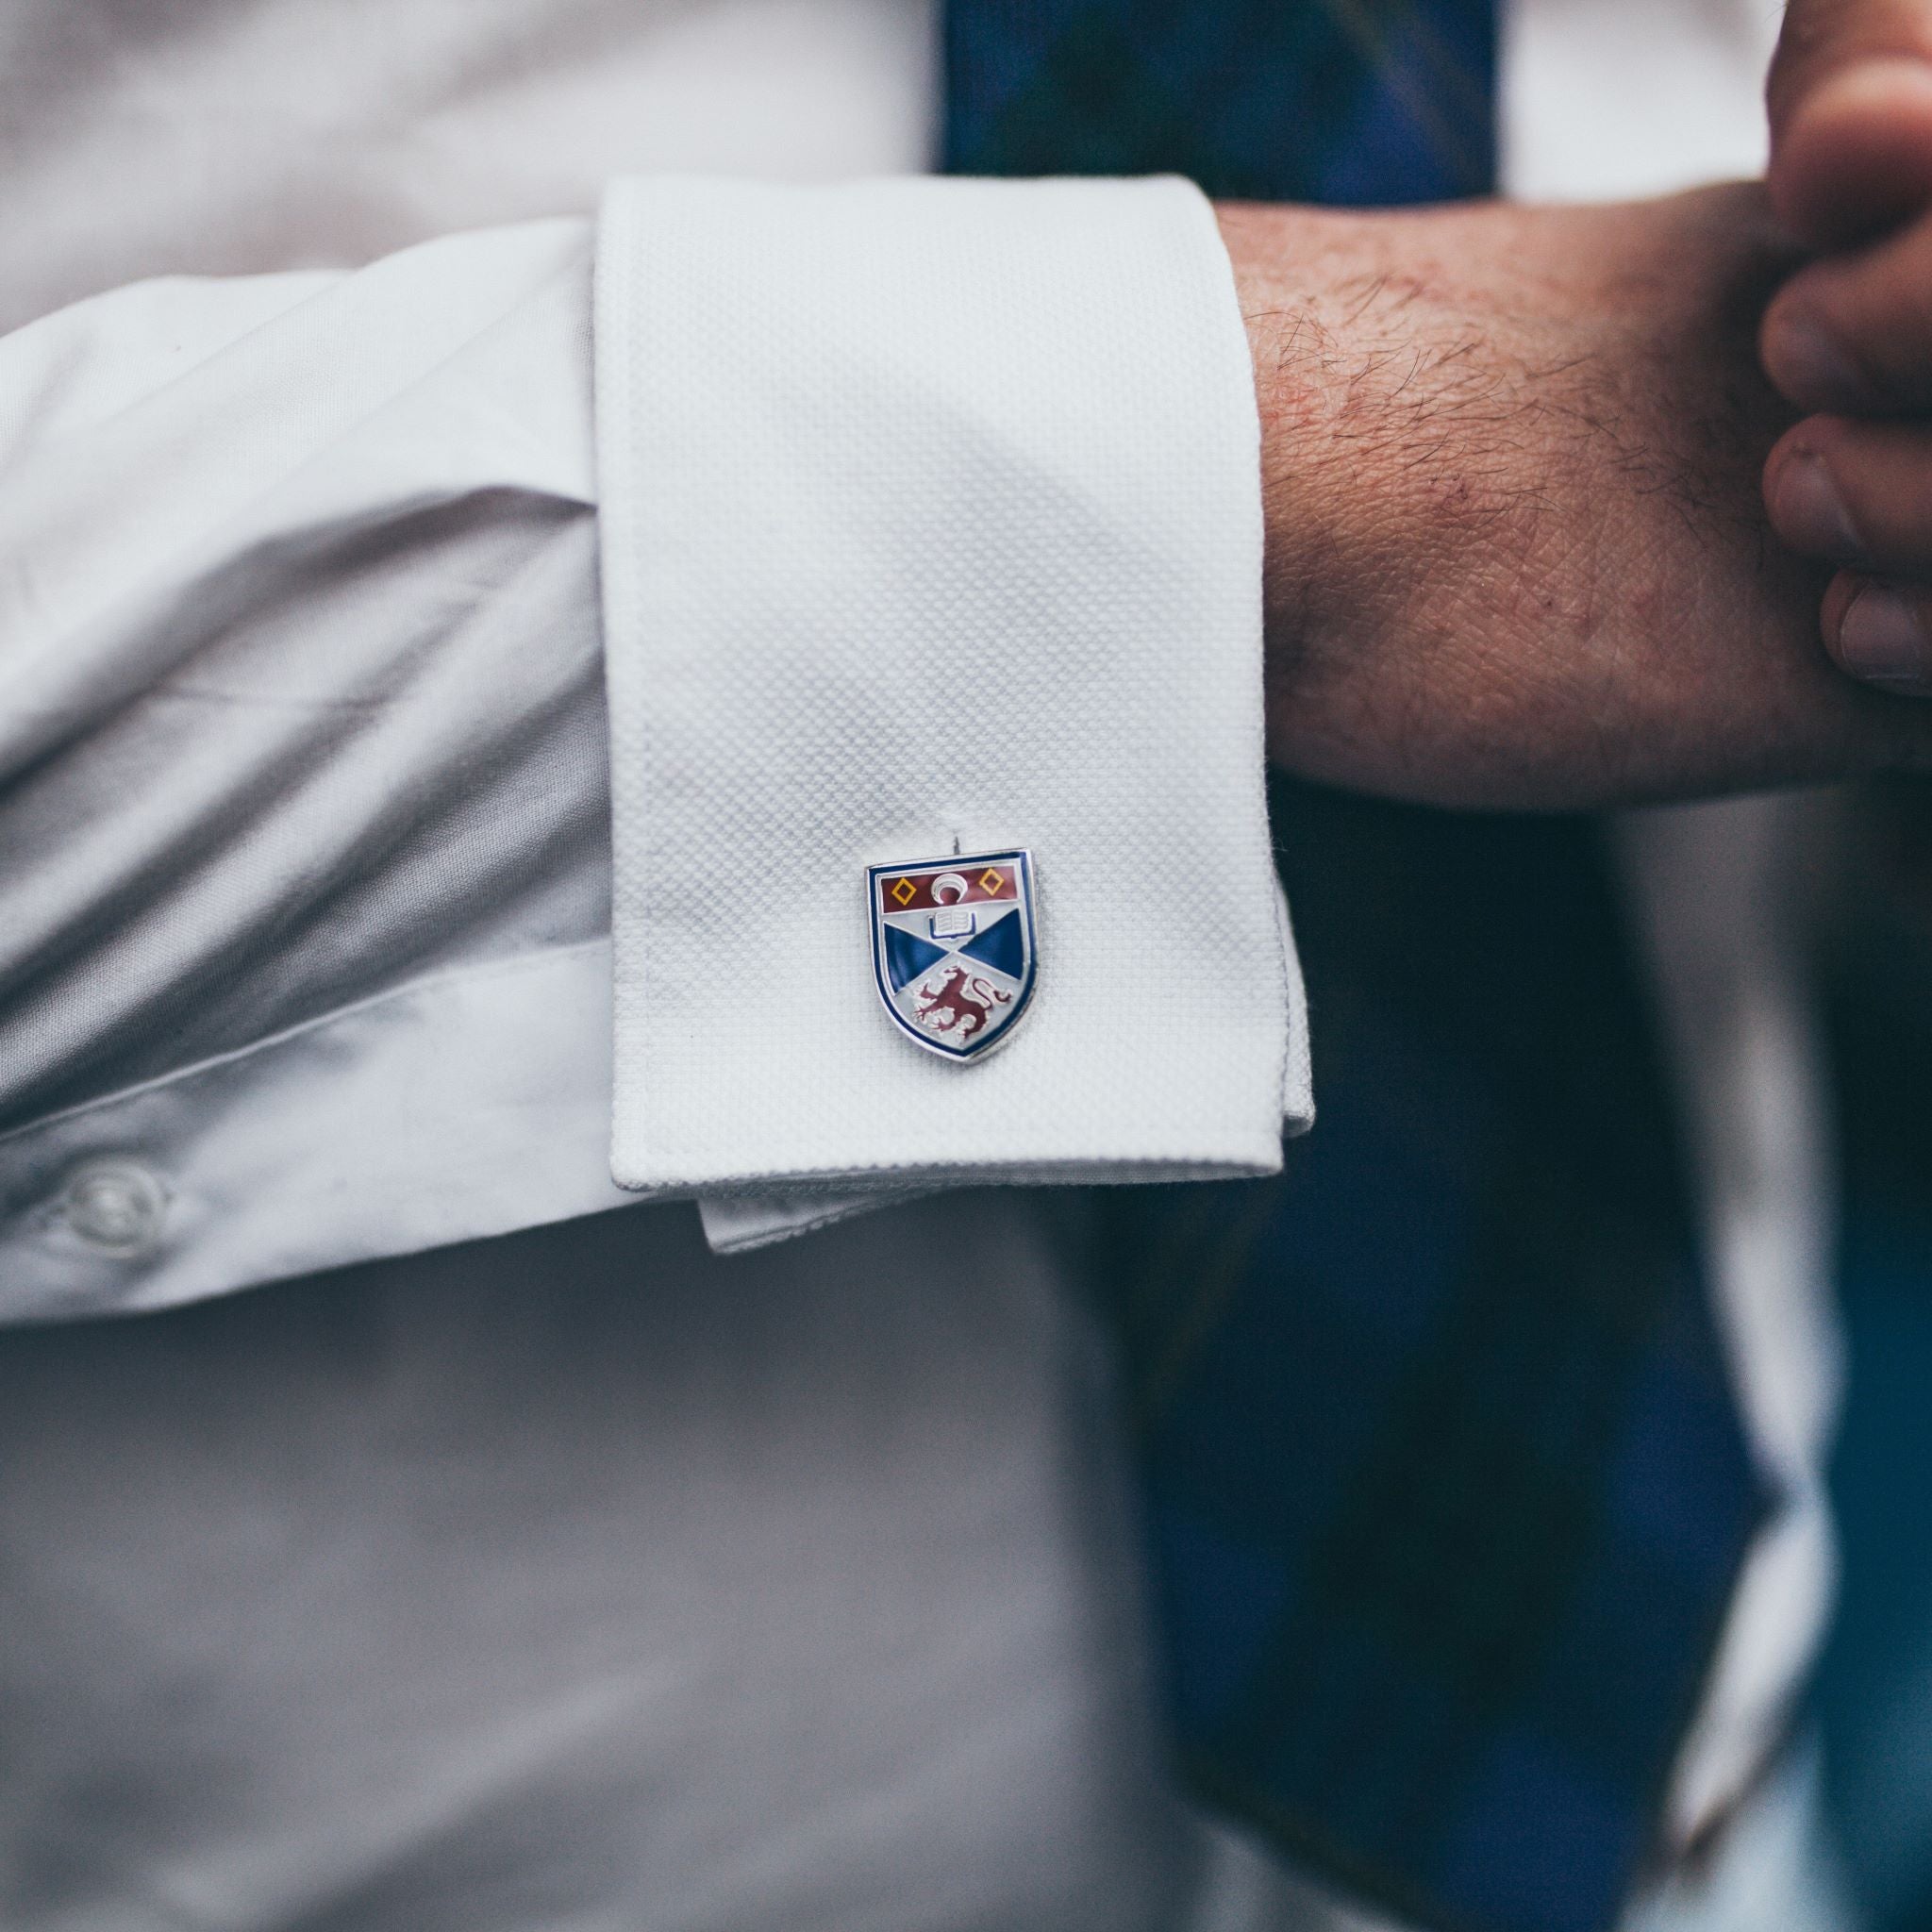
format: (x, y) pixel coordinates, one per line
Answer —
(576, 1576)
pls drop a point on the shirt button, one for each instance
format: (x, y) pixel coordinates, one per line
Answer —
(116, 1206)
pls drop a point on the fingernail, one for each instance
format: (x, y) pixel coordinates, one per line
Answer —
(1881, 639)
(1810, 512)
(1808, 365)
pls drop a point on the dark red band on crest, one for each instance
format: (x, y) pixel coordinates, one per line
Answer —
(911, 891)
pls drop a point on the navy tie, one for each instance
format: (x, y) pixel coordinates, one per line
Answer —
(1446, 1487)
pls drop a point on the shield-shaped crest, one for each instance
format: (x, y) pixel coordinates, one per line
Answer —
(953, 947)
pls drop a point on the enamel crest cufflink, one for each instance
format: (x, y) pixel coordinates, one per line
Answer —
(953, 947)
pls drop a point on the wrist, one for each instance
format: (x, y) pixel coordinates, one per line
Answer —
(1370, 371)
(1515, 551)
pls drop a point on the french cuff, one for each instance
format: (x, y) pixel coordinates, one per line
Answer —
(931, 525)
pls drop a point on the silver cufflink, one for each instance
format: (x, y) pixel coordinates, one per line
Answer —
(953, 947)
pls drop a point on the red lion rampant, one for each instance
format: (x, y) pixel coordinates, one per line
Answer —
(961, 1004)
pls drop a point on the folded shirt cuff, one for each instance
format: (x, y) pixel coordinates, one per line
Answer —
(931, 525)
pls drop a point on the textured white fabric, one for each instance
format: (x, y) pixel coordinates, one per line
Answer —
(931, 522)
(735, 1224)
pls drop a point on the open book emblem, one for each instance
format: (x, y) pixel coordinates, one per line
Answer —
(953, 947)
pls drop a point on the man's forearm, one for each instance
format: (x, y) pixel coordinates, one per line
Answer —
(1516, 554)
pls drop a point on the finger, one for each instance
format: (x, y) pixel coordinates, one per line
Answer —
(1855, 492)
(1847, 101)
(1852, 334)
(1821, 39)
(1854, 158)
(1880, 632)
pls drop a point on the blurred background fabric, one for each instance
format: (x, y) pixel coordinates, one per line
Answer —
(1871, 879)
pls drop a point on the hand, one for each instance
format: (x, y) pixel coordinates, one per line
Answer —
(1516, 551)
(1851, 336)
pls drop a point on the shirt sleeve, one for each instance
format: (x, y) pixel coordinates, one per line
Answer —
(930, 525)
(304, 825)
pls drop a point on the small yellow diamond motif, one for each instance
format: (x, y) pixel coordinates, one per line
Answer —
(904, 892)
(991, 881)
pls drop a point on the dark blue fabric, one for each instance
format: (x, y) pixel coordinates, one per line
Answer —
(1356, 101)
(1443, 1474)
(1446, 1487)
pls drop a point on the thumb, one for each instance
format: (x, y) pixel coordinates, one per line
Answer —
(1851, 117)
